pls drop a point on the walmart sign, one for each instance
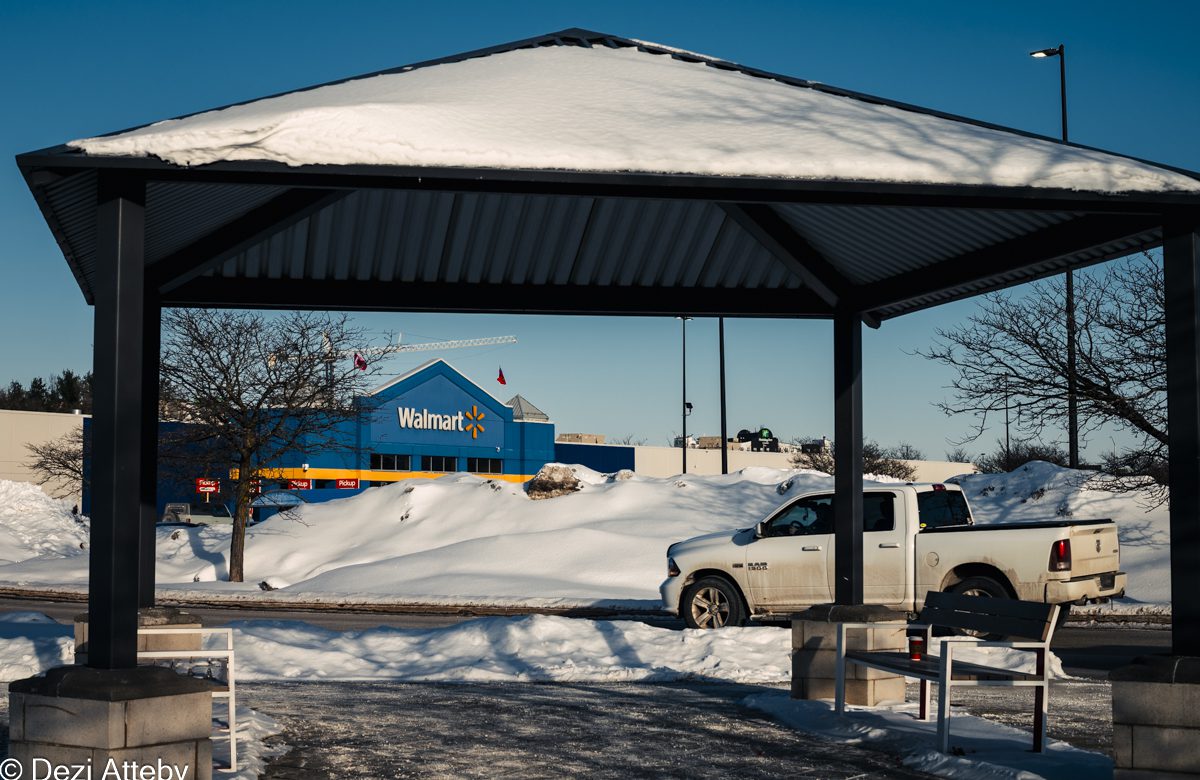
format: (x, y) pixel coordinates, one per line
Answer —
(469, 422)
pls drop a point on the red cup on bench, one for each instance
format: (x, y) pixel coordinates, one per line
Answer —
(916, 648)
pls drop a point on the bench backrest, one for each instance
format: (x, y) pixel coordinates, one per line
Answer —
(1009, 617)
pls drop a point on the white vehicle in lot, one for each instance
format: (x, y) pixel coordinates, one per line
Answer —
(916, 538)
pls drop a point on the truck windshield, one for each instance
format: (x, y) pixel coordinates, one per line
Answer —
(939, 508)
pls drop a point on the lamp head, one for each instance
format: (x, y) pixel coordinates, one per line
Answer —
(1057, 51)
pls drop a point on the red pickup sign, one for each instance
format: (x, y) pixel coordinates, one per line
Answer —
(347, 484)
(299, 484)
(207, 485)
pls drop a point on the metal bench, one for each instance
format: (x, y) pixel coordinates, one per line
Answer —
(221, 689)
(1031, 623)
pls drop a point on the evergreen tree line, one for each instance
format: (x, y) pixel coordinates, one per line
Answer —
(63, 392)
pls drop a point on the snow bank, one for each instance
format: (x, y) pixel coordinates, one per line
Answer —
(1043, 491)
(601, 109)
(31, 643)
(535, 648)
(34, 524)
(466, 540)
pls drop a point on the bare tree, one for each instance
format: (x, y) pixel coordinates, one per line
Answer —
(876, 460)
(1010, 358)
(59, 462)
(1011, 456)
(257, 389)
(629, 440)
(959, 455)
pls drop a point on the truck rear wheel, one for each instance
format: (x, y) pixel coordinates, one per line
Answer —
(984, 587)
(712, 602)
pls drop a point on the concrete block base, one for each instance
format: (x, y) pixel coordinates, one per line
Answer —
(148, 617)
(148, 718)
(1156, 718)
(814, 654)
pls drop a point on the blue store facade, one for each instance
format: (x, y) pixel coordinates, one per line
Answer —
(426, 423)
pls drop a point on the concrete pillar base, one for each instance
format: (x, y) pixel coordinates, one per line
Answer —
(148, 617)
(814, 653)
(141, 718)
(1156, 718)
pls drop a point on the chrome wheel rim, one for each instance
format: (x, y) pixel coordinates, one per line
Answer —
(710, 608)
(975, 592)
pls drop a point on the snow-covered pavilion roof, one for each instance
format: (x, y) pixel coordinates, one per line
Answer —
(580, 172)
(614, 108)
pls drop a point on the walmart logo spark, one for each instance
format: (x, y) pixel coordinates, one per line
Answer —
(475, 427)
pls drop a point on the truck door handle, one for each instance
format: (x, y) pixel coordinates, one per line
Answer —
(890, 545)
(817, 548)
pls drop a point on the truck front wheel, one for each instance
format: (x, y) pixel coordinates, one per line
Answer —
(712, 602)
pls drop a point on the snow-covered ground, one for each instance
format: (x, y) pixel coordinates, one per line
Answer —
(539, 648)
(467, 540)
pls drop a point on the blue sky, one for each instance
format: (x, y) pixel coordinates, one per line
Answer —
(73, 69)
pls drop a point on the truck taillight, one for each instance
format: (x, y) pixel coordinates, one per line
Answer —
(1060, 555)
(672, 568)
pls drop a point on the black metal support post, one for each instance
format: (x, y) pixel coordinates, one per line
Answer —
(1181, 266)
(847, 455)
(117, 466)
(724, 425)
(151, 323)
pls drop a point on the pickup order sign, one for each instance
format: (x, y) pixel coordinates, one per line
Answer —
(347, 484)
(205, 485)
(299, 484)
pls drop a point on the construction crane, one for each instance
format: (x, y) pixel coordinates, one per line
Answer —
(456, 344)
(331, 355)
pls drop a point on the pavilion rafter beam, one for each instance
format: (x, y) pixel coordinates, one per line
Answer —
(1030, 249)
(795, 252)
(353, 295)
(253, 227)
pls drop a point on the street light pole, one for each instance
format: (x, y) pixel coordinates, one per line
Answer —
(724, 429)
(1060, 51)
(684, 408)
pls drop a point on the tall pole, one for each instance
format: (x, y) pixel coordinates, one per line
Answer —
(1072, 369)
(683, 401)
(724, 428)
(1060, 51)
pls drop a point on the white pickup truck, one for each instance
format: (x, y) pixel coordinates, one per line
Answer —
(916, 538)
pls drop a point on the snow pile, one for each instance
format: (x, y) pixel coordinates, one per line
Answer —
(253, 729)
(535, 648)
(1043, 491)
(989, 750)
(31, 643)
(601, 109)
(464, 540)
(34, 524)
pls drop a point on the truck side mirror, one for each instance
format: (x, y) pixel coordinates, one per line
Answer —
(760, 530)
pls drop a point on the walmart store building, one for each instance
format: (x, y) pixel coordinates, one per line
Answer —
(426, 423)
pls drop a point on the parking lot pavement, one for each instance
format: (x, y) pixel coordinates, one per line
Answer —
(1080, 710)
(694, 730)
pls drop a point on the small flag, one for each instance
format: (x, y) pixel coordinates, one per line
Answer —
(360, 362)
(500, 378)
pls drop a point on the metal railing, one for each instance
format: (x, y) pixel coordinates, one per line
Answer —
(230, 691)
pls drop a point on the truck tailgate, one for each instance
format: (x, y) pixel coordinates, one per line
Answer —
(1094, 549)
